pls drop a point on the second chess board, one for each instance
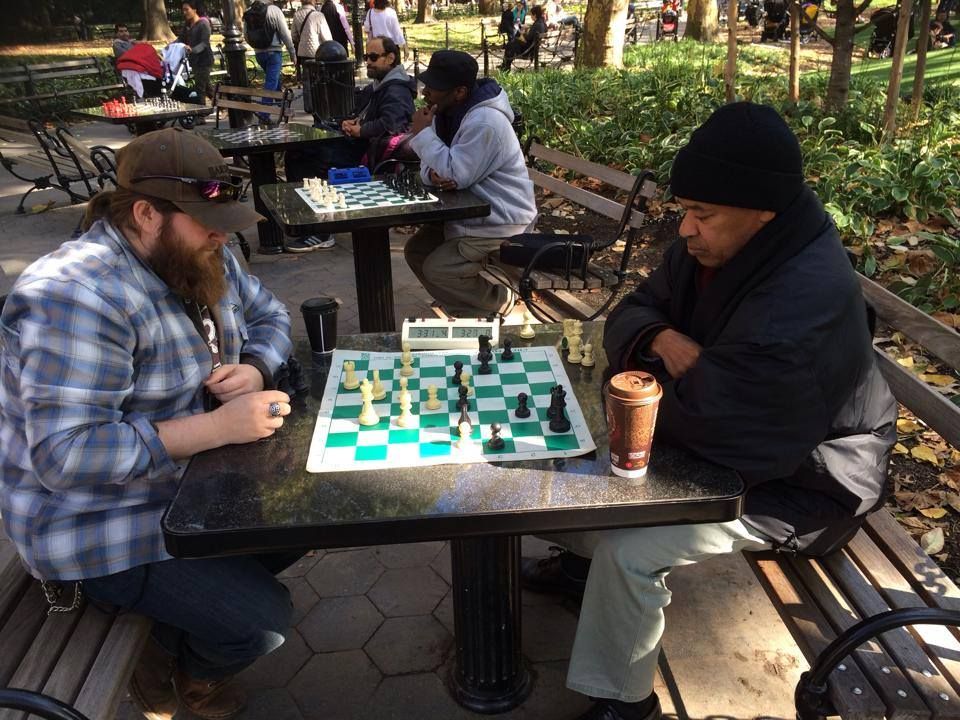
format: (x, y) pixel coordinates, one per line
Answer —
(367, 195)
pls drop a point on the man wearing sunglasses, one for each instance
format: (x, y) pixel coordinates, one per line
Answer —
(124, 353)
(384, 109)
(465, 139)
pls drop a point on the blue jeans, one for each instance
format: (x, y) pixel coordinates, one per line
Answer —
(271, 61)
(215, 615)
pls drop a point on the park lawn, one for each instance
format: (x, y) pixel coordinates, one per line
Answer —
(942, 66)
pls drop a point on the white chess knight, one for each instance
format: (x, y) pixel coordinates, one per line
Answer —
(379, 392)
(405, 418)
(575, 357)
(368, 416)
(526, 331)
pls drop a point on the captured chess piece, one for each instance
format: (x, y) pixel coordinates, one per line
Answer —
(526, 332)
(350, 381)
(588, 360)
(495, 442)
(379, 392)
(507, 353)
(368, 416)
(432, 402)
(522, 410)
(457, 369)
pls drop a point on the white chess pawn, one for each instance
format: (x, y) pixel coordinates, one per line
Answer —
(406, 361)
(588, 356)
(368, 416)
(379, 392)
(526, 331)
(464, 429)
(432, 402)
(465, 382)
(350, 381)
(405, 418)
(575, 357)
(403, 384)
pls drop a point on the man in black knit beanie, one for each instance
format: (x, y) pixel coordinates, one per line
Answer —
(755, 326)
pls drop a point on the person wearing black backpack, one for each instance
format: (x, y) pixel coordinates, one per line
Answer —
(265, 30)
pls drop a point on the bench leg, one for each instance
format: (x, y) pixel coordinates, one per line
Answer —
(23, 199)
(38, 704)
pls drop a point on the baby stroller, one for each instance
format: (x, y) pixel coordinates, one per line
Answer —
(776, 21)
(808, 20)
(884, 33)
(176, 74)
(753, 12)
(669, 21)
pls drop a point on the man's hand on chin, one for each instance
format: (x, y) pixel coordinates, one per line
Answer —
(422, 118)
(678, 352)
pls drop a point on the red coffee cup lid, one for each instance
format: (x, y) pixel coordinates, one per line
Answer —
(634, 385)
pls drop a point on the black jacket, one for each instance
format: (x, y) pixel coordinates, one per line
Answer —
(786, 391)
(332, 16)
(386, 110)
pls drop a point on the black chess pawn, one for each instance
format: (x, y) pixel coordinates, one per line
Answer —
(457, 369)
(463, 403)
(485, 357)
(484, 341)
(495, 442)
(522, 410)
(507, 353)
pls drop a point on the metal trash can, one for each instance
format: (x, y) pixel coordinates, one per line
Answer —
(329, 82)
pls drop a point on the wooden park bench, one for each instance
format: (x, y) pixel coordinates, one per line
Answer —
(556, 48)
(58, 160)
(31, 88)
(83, 658)
(542, 279)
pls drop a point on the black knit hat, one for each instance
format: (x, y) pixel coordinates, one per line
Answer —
(745, 156)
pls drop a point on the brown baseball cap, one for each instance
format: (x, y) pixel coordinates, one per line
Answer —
(175, 153)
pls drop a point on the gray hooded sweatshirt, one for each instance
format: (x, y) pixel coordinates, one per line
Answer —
(484, 157)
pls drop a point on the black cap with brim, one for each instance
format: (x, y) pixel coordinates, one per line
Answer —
(225, 217)
(449, 69)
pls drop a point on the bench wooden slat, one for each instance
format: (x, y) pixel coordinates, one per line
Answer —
(943, 341)
(873, 657)
(617, 178)
(79, 655)
(13, 581)
(928, 405)
(106, 684)
(251, 92)
(937, 640)
(249, 106)
(592, 201)
(900, 644)
(812, 633)
(83, 62)
(60, 74)
(18, 632)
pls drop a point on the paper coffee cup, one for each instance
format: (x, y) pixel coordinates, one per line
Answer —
(632, 399)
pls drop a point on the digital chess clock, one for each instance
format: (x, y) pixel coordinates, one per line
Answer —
(439, 334)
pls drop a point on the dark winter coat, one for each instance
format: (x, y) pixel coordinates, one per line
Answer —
(786, 391)
(385, 109)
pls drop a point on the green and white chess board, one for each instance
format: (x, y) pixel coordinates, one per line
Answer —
(341, 443)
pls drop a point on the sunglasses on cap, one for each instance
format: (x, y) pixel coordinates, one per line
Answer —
(210, 189)
(373, 57)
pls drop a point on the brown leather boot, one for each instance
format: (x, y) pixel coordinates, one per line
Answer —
(151, 685)
(210, 699)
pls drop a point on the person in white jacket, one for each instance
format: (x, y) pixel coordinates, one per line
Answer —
(465, 140)
(382, 21)
(309, 29)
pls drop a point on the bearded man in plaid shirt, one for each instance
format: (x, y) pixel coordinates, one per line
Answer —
(122, 354)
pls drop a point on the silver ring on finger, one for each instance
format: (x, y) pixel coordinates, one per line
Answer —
(274, 409)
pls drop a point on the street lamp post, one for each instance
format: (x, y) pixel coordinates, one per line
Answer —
(357, 33)
(235, 53)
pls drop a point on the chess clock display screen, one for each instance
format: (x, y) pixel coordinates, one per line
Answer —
(471, 332)
(419, 331)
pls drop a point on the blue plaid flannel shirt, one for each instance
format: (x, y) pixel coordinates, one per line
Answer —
(94, 348)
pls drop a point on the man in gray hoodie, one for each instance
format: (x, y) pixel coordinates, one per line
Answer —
(465, 140)
(265, 29)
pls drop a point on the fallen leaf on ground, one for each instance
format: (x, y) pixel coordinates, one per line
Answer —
(938, 380)
(906, 362)
(900, 449)
(953, 500)
(950, 319)
(908, 426)
(912, 522)
(925, 453)
(934, 513)
(932, 541)
(950, 478)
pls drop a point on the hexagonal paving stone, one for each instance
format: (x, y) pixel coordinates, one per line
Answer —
(420, 696)
(548, 632)
(441, 563)
(275, 704)
(410, 591)
(340, 623)
(345, 573)
(302, 595)
(335, 686)
(409, 644)
(408, 555)
(302, 566)
(444, 612)
(550, 697)
(276, 669)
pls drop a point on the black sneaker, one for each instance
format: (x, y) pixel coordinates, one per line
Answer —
(648, 709)
(563, 572)
(310, 243)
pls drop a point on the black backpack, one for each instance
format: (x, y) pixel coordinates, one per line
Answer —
(255, 31)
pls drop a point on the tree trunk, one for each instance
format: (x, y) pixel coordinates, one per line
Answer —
(923, 42)
(839, 86)
(702, 21)
(604, 24)
(896, 71)
(730, 70)
(489, 7)
(795, 51)
(424, 12)
(155, 25)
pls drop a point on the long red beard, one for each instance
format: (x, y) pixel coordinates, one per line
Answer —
(192, 274)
